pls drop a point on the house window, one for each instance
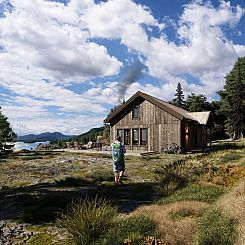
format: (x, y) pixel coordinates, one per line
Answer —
(143, 136)
(126, 137)
(120, 133)
(135, 112)
(135, 136)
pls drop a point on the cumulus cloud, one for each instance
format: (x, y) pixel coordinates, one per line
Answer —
(52, 36)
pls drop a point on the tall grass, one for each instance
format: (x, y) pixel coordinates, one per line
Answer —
(216, 228)
(177, 174)
(86, 221)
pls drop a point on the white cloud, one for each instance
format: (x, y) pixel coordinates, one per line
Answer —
(121, 19)
(52, 36)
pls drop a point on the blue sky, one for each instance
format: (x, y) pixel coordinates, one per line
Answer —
(62, 62)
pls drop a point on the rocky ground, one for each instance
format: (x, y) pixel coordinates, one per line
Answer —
(36, 186)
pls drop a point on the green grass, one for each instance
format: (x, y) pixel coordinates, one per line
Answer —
(101, 175)
(72, 181)
(216, 228)
(231, 157)
(194, 192)
(178, 215)
(40, 239)
(134, 228)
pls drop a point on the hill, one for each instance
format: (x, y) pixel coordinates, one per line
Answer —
(90, 135)
(30, 138)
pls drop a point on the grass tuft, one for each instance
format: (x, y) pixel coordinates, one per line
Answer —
(216, 228)
(86, 221)
(134, 229)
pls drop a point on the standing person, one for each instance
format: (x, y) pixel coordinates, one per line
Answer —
(99, 142)
(118, 150)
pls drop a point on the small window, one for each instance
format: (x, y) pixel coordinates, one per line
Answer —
(135, 112)
(126, 137)
(135, 137)
(143, 136)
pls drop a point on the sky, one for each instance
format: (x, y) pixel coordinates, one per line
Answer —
(62, 62)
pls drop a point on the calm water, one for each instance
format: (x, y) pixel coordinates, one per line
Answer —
(28, 146)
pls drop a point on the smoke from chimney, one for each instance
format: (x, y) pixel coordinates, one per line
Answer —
(132, 74)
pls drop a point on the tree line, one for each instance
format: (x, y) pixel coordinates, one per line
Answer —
(229, 112)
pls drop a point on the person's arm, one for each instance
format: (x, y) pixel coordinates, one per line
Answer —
(123, 149)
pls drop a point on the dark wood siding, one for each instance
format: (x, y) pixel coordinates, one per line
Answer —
(163, 128)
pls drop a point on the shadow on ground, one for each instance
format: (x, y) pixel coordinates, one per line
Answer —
(40, 203)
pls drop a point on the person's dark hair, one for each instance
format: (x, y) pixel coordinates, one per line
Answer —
(118, 137)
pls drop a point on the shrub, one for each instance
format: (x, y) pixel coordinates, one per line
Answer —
(216, 228)
(87, 220)
(134, 228)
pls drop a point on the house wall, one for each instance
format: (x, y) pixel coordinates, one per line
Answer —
(162, 127)
(194, 136)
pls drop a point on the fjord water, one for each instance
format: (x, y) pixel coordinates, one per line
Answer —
(28, 146)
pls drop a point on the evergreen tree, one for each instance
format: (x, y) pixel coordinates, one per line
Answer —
(233, 100)
(197, 103)
(7, 135)
(218, 118)
(179, 97)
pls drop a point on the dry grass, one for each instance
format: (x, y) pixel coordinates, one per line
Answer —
(180, 231)
(233, 203)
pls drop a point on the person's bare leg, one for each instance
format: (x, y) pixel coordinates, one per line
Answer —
(116, 177)
(120, 177)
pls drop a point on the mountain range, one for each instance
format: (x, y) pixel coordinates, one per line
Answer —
(30, 138)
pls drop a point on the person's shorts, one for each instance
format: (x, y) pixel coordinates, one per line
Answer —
(118, 167)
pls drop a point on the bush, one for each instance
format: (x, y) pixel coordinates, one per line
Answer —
(133, 228)
(216, 228)
(87, 220)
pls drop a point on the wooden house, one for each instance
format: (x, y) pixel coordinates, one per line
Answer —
(146, 123)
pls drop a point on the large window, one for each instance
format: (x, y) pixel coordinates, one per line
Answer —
(143, 136)
(135, 112)
(135, 136)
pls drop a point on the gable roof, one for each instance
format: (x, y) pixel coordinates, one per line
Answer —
(201, 117)
(177, 112)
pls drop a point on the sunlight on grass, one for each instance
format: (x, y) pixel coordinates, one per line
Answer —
(195, 192)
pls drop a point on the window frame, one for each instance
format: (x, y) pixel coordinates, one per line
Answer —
(143, 142)
(126, 142)
(135, 115)
(135, 141)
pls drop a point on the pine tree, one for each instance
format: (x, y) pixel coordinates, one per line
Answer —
(197, 103)
(179, 97)
(7, 135)
(233, 100)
